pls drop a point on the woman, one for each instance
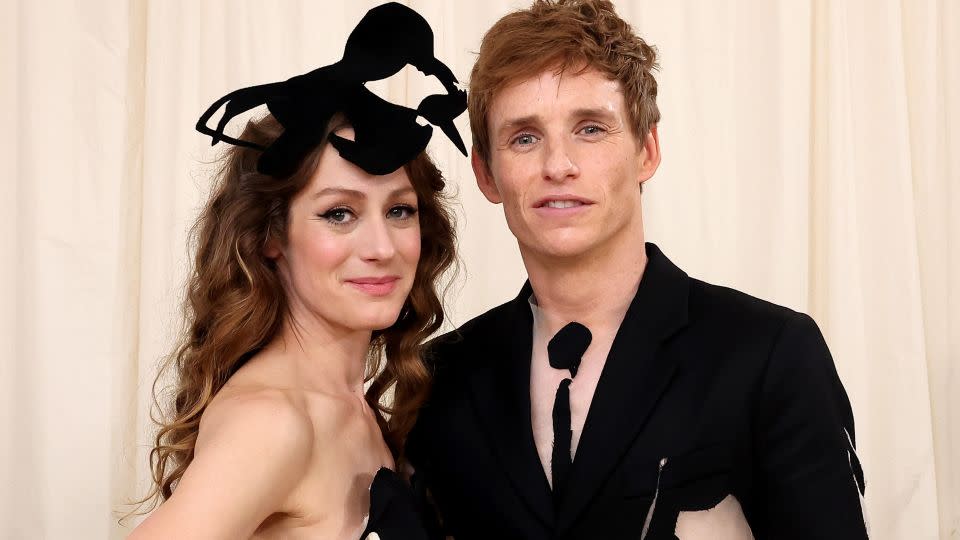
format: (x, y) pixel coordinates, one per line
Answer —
(319, 251)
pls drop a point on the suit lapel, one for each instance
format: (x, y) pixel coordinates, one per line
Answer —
(501, 395)
(630, 385)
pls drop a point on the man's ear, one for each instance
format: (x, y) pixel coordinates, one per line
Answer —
(649, 154)
(484, 178)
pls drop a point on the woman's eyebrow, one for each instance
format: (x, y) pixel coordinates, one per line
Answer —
(340, 191)
(403, 191)
(357, 194)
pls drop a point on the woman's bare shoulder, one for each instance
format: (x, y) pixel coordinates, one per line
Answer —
(252, 449)
(257, 413)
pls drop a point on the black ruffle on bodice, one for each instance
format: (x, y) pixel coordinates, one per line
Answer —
(394, 512)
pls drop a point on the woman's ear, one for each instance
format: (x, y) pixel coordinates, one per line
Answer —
(271, 248)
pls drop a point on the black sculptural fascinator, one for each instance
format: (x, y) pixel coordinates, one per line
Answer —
(386, 135)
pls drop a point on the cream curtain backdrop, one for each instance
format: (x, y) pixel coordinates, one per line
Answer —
(811, 156)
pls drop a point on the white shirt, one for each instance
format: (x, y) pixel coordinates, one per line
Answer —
(544, 379)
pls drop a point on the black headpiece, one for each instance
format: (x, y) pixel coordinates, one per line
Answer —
(386, 135)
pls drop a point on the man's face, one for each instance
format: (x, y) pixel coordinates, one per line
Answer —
(565, 163)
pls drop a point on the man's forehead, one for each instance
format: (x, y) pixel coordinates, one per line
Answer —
(571, 91)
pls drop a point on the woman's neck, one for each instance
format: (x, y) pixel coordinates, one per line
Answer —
(325, 357)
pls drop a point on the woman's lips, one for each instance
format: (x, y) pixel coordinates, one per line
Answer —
(375, 286)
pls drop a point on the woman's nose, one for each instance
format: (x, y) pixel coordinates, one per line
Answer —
(376, 242)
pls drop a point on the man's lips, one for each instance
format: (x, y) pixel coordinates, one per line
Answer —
(561, 203)
(375, 286)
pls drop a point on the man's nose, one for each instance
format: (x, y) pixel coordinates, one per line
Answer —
(558, 163)
(376, 241)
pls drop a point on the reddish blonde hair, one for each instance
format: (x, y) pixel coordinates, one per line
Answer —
(562, 34)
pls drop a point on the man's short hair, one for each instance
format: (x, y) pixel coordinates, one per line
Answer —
(563, 34)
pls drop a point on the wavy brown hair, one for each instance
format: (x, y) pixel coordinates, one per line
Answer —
(235, 302)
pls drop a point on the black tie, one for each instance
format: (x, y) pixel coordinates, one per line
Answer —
(565, 351)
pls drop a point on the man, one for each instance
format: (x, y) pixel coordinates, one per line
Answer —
(616, 397)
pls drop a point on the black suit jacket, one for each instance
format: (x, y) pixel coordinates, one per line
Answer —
(706, 392)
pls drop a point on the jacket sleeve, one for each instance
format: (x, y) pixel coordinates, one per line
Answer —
(417, 456)
(810, 477)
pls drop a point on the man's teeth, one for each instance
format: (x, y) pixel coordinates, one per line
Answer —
(562, 204)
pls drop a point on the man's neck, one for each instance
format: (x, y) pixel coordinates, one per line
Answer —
(592, 289)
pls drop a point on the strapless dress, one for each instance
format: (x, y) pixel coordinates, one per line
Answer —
(395, 512)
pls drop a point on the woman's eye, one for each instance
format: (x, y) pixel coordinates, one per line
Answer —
(401, 212)
(339, 216)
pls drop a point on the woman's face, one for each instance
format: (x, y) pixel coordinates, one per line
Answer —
(353, 242)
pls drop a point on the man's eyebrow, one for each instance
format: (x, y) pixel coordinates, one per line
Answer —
(593, 112)
(522, 120)
(513, 123)
(581, 113)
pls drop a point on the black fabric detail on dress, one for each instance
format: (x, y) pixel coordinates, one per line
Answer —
(387, 135)
(393, 510)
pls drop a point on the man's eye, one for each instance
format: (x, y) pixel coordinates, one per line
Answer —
(592, 130)
(525, 139)
(401, 212)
